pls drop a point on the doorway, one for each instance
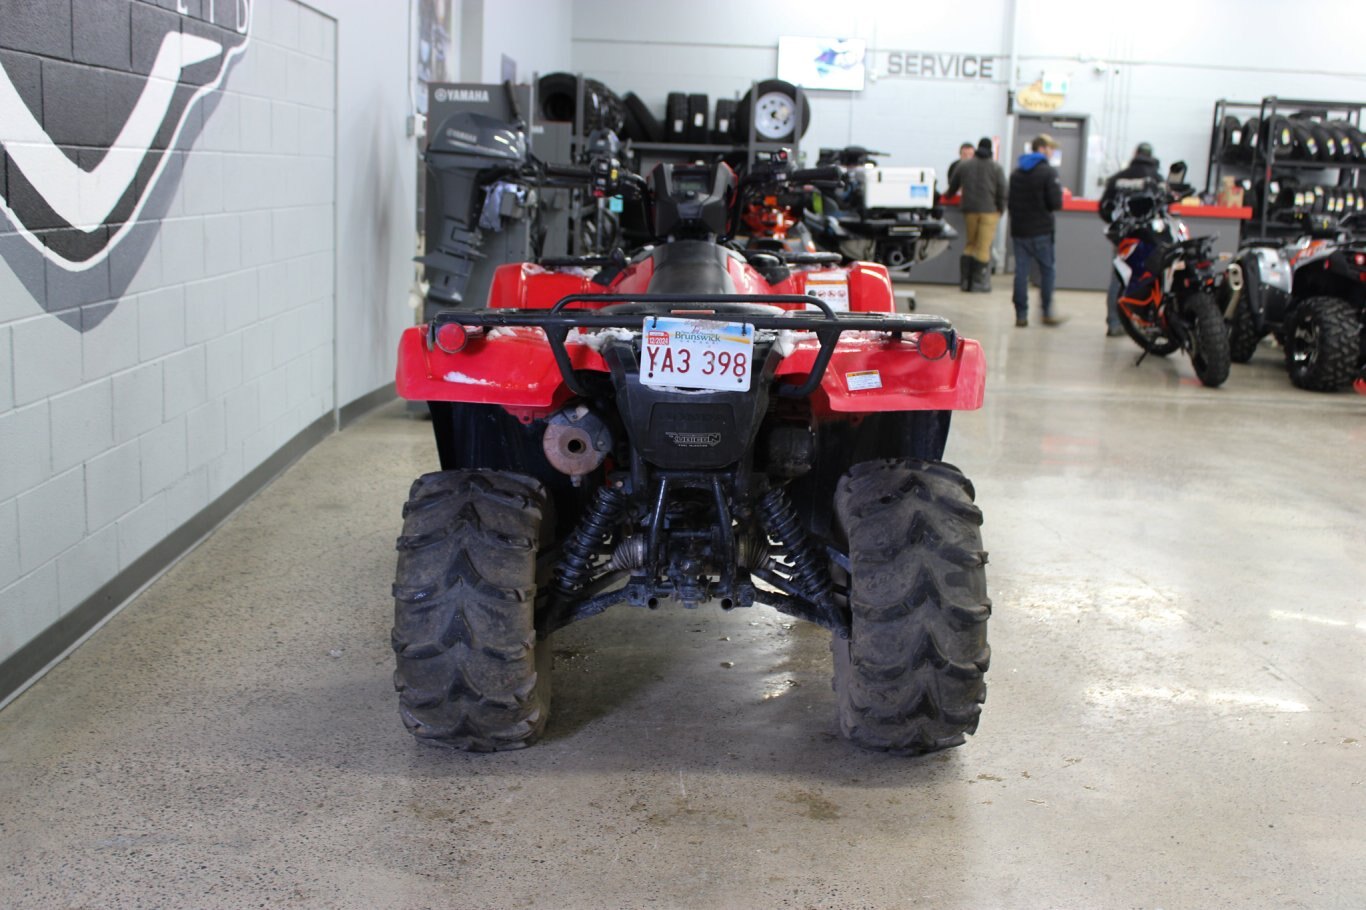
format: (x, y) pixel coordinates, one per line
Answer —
(1070, 134)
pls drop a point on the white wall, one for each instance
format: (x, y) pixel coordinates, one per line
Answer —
(1172, 63)
(135, 393)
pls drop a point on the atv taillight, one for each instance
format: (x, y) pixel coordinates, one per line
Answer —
(451, 338)
(933, 345)
(1359, 259)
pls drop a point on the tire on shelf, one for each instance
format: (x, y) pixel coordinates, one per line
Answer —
(1209, 340)
(558, 99)
(676, 117)
(723, 123)
(650, 128)
(910, 677)
(1323, 344)
(774, 105)
(469, 672)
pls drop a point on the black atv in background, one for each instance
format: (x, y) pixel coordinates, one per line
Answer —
(1310, 294)
(843, 222)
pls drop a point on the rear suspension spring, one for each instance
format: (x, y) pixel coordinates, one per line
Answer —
(810, 575)
(589, 540)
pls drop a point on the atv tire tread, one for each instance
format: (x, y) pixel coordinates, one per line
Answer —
(468, 674)
(1333, 365)
(1210, 351)
(1243, 337)
(910, 678)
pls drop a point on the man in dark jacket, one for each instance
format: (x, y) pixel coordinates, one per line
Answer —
(1141, 174)
(964, 153)
(983, 185)
(1035, 194)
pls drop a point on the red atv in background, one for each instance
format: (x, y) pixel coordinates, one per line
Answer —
(697, 425)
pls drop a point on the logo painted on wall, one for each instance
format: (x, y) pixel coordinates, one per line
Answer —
(79, 181)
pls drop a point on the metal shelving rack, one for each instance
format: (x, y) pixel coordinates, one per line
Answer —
(1265, 160)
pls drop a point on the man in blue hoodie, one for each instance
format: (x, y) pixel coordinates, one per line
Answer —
(1035, 194)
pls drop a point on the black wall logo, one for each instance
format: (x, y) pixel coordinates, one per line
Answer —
(88, 121)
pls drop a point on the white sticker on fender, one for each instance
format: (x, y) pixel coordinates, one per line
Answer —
(832, 287)
(863, 380)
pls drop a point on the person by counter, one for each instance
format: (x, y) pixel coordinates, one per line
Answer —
(1035, 194)
(983, 185)
(1141, 174)
(964, 153)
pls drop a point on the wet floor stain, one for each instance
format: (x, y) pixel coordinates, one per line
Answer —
(816, 806)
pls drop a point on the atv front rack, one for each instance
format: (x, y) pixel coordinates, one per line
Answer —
(827, 325)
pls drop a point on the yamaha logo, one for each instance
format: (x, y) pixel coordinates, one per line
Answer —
(480, 96)
(87, 146)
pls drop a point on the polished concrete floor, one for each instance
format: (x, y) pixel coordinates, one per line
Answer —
(1176, 712)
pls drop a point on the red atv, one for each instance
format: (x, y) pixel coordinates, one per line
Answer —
(697, 426)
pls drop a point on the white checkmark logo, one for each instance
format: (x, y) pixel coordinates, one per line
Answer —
(84, 199)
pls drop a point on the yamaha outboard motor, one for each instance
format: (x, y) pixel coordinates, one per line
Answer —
(467, 153)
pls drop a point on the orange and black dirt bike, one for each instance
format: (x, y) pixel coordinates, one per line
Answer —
(695, 424)
(1170, 284)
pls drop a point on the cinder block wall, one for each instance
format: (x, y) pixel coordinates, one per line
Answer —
(138, 384)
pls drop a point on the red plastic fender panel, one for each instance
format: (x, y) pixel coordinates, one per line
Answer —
(509, 367)
(869, 372)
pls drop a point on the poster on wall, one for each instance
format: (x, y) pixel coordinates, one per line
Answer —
(834, 64)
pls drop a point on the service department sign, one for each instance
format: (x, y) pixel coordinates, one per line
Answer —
(85, 149)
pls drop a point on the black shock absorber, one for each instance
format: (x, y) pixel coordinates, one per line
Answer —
(588, 540)
(810, 575)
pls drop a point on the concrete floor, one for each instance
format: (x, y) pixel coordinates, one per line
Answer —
(1175, 717)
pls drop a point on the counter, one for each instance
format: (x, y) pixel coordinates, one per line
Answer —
(1083, 253)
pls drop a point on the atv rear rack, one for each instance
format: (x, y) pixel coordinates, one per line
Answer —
(827, 325)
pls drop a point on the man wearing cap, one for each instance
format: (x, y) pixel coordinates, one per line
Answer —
(983, 184)
(1035, 194)
(1141, 174)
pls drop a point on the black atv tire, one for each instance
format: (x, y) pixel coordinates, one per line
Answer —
(469, 672)
(1151, 340)
(1322, 344)
(910, 678)
(1243, 336)
(1209, 340)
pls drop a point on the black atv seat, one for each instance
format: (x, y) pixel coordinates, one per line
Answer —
(691, 267)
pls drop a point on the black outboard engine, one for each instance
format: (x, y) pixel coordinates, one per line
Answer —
(466, 154)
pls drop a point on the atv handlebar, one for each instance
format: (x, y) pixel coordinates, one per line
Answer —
(827, 326)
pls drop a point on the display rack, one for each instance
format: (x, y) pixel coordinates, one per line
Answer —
(712, 150)
(1267, 161)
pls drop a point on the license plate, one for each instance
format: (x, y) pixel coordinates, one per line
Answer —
(696, 354)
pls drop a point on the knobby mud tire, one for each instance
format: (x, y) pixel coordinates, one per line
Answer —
(469, 673)
(1210, 343)
(1243, 336)
(910, 678)
(1323, 344)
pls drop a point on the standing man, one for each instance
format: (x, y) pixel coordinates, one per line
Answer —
(983, 184)
(964, 153)
(1035, 194)
(1141, 174)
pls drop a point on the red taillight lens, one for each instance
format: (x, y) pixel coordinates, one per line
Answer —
(933, 345)
(1359, 259)
(451, 338)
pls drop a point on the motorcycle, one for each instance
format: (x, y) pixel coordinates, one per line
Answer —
(1170, 282)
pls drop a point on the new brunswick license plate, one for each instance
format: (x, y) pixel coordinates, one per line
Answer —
(696, 354)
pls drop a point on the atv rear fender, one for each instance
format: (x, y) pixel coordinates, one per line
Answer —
(524, 361)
